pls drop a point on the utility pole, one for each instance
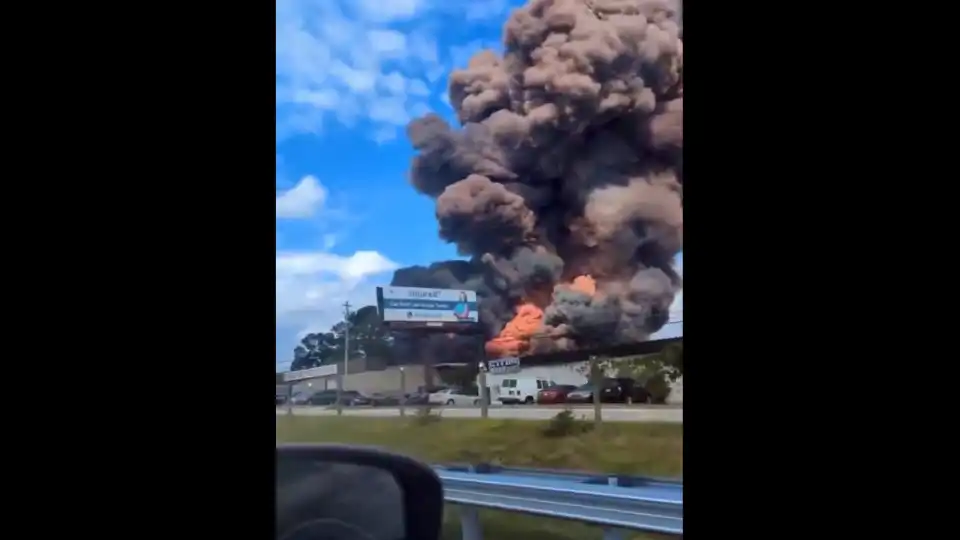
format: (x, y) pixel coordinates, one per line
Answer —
(403, 392)
(596, 378)
(346, 356)
(346, 337)
(482, 367)
(482, 384)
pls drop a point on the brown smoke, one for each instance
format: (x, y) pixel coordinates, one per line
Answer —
(564, 181)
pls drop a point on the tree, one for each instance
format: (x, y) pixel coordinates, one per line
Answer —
(666, 364)
(368, 339)
(654, 371)
(671, 358)
(314, 350)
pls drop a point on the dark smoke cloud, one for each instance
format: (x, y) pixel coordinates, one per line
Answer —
(568, 161)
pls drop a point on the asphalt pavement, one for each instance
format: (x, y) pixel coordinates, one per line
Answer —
(611, 413)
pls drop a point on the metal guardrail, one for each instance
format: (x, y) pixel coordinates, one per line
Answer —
(614, 502)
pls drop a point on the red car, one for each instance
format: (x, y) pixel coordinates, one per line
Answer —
(554, 394)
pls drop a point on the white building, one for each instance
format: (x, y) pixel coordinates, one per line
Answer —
(576, 372)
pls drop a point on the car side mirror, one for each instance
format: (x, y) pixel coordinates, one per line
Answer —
(337, 491)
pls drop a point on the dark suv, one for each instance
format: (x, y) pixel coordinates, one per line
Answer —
(612, 390)
(329, 397)
(323, 397)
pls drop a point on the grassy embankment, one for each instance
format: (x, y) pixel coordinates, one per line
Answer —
(638, 448)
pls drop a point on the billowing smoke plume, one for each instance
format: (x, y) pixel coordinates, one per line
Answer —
(564, 181)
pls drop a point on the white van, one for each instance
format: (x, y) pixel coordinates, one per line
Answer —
(522, 390)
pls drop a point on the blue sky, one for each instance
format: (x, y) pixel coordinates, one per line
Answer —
(350, 75)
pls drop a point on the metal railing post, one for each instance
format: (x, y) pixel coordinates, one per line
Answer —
(470, 523)
(612, 534)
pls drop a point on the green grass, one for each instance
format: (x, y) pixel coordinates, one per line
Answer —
(622, 447)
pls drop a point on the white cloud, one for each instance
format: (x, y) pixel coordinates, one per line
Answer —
(417, 88)
(357, 266)
(390, 111)
(392, 10)
(385, 135)
(387, 42)
(313, 285)
(303, 200)
(486, 9)
(329, 240)
(344, 61)
(460, 54)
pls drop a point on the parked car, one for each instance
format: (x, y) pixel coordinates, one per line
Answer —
(422, 395)
(555, 394)
(455, 396)
(417, 398)
(328, 397)
(383, 400)
(522, 389)
(322, 397)
(612, 390)
(352, 398)
(300, 398)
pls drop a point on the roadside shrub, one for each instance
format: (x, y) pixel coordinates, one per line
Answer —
(564, 424)
(658, 387)
(426, 416)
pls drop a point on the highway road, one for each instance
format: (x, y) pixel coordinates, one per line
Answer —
(611, 413)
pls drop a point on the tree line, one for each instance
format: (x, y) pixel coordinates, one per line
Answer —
(368, 339)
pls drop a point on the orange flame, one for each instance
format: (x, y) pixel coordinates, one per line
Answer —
(585, 284)
(514, 339)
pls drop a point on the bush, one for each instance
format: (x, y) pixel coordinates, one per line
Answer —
(426, 415)
(658, 387)
(564, 424)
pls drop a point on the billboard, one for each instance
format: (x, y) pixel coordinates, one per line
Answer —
(420, 307)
